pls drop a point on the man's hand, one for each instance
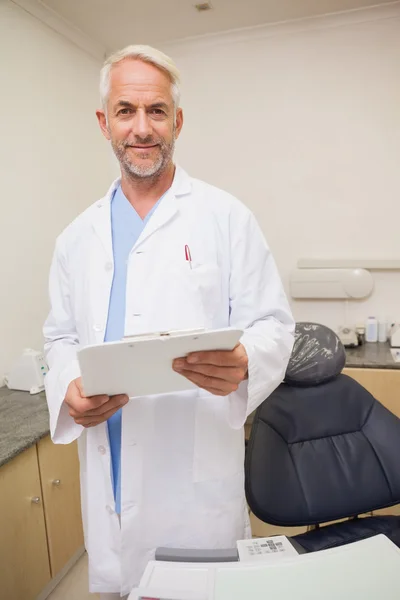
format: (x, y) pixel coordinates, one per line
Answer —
(217, 372)
(94, 410)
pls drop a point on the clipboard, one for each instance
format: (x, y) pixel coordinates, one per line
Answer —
(142, 365)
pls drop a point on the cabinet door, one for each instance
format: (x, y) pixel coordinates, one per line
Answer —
(383, 384)
(24, 559)
(59, 471)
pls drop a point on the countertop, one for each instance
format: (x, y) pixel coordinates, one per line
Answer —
(371, 356)
(24, 420)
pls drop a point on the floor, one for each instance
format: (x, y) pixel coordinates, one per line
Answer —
(75, 585)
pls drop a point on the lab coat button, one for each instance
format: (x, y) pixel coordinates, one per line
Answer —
(101, 449)
(98, 327)
(108, 266)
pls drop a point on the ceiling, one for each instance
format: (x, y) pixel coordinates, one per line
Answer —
(116, 23)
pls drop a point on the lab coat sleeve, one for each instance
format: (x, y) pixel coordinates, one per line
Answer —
(61, 346)
(259, 306)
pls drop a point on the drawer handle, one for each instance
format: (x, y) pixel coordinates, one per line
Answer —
(35, 500)
(57, 482)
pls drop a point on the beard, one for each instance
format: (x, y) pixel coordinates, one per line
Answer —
(135, 170)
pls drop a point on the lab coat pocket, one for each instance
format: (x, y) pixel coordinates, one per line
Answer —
(218, 449)
(207, 281)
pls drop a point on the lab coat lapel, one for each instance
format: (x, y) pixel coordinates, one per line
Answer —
(166, 210)
(168, 206)
(101, 270)
(102, 221)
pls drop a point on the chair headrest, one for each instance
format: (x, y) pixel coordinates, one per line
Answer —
(318, 356)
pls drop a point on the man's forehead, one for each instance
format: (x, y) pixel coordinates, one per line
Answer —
(137, 100)
(140, 81)
(140, 74)
(136, 97)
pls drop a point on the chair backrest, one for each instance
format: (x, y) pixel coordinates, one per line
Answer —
(323, 452)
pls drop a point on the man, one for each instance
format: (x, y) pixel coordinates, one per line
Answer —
(160, 251)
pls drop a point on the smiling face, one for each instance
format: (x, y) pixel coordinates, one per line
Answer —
(141, 122)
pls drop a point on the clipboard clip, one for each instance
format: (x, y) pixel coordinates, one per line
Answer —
(163, 334)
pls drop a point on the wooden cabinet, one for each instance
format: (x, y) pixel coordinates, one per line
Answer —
(24, 562)
(40, 518)
(59, 472)
(384, 385)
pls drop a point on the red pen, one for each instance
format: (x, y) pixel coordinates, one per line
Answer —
(188, 255)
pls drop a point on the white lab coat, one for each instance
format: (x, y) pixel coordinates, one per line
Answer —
(182, 454)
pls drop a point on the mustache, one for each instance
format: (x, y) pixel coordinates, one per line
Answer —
(147, 141)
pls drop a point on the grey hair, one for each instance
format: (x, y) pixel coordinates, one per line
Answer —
(146, 54)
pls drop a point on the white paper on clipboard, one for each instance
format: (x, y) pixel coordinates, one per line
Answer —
(142, 365)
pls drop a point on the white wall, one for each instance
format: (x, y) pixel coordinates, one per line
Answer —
(302, 122)
(53, 163)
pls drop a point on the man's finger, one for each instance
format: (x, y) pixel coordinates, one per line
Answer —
(78, 383)
(113, 402)
(206, 382)
(92, 420)
(222, 358)
(98, 400)
(230, 374)
(82, 405)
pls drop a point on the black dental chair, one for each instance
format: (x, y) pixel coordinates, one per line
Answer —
(323, 449)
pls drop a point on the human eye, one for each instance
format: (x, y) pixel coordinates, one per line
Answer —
(124, 111)
(158, 112)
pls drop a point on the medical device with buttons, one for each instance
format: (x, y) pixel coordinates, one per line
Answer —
(28, 372)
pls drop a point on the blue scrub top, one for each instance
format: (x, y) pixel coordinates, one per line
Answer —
(126, 228)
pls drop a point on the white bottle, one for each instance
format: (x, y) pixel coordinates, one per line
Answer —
(371, 330)
(382, 330)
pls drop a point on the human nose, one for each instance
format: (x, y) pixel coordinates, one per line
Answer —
(141, 124)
